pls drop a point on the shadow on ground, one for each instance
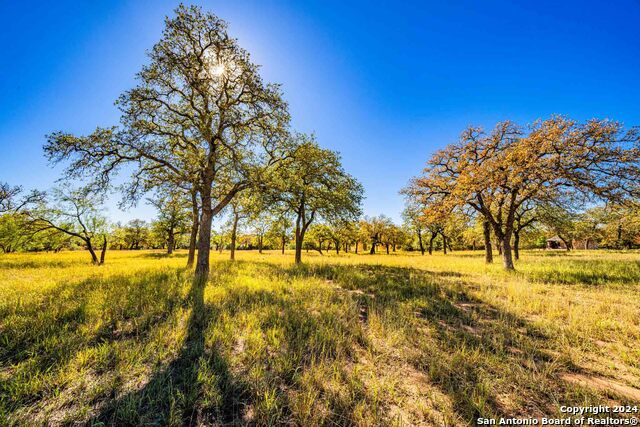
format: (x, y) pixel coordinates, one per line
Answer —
(489, 362)
(173, 395)
(260, 348)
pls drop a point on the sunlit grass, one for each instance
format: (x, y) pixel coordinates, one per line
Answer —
(341, 340)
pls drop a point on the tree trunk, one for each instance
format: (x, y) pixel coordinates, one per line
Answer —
(337, 248)
(204, 240)
(94, 258)
(356, 246)
(104, 249)
(420, 244)
(299, 238)
(387, 246)
(234, 233)
(284, 242)
(507, 257)
(444, 243)
(433, 237)
(504, 242)
(488, 248)
(619, 240)
(171, 241)
(193, 238)
(516, 245)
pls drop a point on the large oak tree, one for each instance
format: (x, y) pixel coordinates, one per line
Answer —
(496, 173)
(199, 115)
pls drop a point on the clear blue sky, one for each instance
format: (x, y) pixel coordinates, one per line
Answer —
(384, 83)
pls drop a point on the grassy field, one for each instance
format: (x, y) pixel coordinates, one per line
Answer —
(343, 340)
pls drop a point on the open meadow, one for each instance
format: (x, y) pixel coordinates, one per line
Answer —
(398, 339)
(286, 213)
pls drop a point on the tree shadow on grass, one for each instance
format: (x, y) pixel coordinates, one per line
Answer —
(163, 255)
(30, 329)
(489, 362)
(174, 395)
(486, 360)
(247, 359)
(41, 337)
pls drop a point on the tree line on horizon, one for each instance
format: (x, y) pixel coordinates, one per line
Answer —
(606, 227)
(204, 137)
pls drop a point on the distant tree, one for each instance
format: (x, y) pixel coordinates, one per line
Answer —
(318, 234)
(219, 238)
(50, 241)
(434, 219)
(398, 237)
(260, 226)
(117, 236)
(313, 185)
(362, 234)
(452, 230)
(173, 216)
(391, 236)
(75, 213)
(472, 235)
(280, 229)
(435, 226)
(621, 228)
(374, 228)
(589, 226)
(14, 232)
(251, 208)
(238, 212)
(344, 234)
(136, 234)
(414, 222)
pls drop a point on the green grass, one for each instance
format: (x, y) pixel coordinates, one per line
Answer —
(341, 340)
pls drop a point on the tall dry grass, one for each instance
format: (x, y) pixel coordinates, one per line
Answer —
(341, 340)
